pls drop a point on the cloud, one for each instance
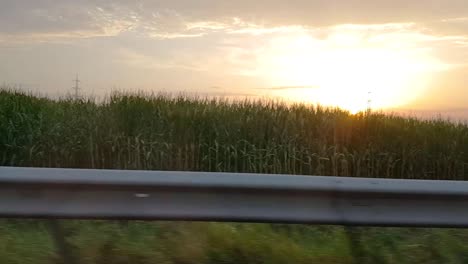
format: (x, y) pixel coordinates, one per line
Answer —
(247, 50)
(145, 61)
(174, 35)
(42, 21)
(46, 20)
(447, 26)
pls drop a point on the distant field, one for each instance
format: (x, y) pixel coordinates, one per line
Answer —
(162, 133)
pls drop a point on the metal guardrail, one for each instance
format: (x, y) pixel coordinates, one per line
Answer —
(165, 195)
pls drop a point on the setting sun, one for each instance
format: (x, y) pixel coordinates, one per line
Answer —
(347, 70)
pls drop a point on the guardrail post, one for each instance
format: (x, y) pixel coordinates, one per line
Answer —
(64, 249)
(355, 246)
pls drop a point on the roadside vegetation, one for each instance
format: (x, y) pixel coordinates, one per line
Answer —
(160, 132)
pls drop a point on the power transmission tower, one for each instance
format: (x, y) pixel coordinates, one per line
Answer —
(77, 88)
(369, 102)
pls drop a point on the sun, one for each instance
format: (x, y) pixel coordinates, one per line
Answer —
(346, 71)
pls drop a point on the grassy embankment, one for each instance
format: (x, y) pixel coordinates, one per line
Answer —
(161, 133)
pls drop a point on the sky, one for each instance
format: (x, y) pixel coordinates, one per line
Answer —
(387, 54)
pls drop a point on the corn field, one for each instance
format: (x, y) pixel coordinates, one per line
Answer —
(161, 132)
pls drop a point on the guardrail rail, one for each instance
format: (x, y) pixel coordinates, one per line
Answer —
(209, 196)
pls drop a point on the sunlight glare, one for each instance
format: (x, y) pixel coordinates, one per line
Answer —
(345, 70)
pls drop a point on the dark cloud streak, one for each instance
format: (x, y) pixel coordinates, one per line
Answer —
(280, 88)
